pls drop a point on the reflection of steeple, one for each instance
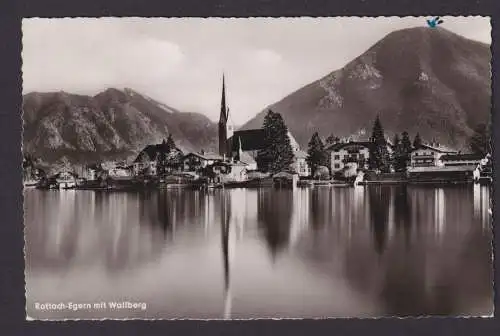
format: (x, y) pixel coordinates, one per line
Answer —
(225, 225)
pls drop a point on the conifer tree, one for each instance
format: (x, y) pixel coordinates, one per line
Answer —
(406, 148)
(332, 140)
(173, 154)
(379, 155)
(417, 142)
(277, 155)
(480, 141)
(396, 153)
(316, 155)
(161, 158)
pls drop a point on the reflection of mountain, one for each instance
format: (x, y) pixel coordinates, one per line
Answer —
(88, 228)
(52, 236)
(437, 260)
(275, 208)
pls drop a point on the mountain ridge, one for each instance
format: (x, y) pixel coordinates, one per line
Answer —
(414, 78)
(108, 125)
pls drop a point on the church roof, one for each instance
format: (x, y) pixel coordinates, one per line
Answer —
(151, 151)
(246, 158)
(251, 140)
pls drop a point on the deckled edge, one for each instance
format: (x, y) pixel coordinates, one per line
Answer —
(492, 315)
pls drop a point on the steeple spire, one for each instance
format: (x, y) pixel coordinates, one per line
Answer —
(223, 108)
(240, 149)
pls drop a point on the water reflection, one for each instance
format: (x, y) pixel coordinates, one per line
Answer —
(309, 252)
(380, 200)
(274, 213)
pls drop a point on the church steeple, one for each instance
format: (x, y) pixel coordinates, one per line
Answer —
(225, 128)
(223, 108)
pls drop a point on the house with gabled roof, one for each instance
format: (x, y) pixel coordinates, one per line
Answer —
(428, 155)
(196, 161)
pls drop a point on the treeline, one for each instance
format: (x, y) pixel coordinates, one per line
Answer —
(382, 158)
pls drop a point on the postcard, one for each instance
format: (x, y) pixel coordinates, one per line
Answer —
(257, 168)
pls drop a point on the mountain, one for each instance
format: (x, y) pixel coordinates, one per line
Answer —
(114, 124)
(423, 80)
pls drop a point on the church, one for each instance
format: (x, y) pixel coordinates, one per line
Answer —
(244, 145)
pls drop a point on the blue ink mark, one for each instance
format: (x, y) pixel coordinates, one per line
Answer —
(434, 22)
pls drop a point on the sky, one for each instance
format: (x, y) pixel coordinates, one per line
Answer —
(180, 61)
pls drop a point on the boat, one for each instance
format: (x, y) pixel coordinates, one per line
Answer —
(65, 180)
(322, 183)
(305, 183)
(214, 185)
(30, 183)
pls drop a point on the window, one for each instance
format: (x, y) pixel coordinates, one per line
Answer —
(361, 156)
(337, 166)
(337, 157)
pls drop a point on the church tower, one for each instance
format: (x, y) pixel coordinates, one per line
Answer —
(225, 127)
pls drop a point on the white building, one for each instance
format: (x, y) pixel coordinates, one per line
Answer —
(429, 155)
(348, 155)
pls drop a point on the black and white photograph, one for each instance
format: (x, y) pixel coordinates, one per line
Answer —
(257, 168)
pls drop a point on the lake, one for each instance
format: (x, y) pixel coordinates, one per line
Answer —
(258, 253)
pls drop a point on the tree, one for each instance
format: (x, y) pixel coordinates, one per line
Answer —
(379, 155)
(396, 153)
(479, 142)
(406, 149)
(168, 156)
(174, 154)
(316, 155)
(332, 140)
(277, 154)
(170, 144)
(417, 142)
(161, 158)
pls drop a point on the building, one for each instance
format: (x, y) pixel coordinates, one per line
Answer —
(244, 145)
(300, 165)
(120, 171)
(450, 160)
(443, 173)
(196, 161)
(229, 171)
(226, 128)
(244, 156)
(146, 161)
(429, 155)
(65, 180)
(348, 155)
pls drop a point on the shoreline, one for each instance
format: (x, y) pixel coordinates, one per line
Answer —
(245, 185)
